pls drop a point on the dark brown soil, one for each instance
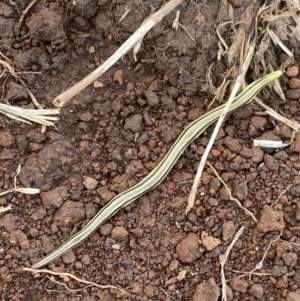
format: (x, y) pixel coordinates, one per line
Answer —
(115, 135)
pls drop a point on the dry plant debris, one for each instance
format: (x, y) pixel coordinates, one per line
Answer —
(66, 276)
(231, 197)
(64, 97)
(223, 259)
(259, 265)
(20, 189)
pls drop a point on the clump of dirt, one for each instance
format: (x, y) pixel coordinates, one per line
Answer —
(114, 133)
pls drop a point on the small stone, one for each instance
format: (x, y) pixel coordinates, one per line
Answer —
(136, 288)
(228, 230)
(118, 77)
(292, 93)
(98, 84)
(86, 259)
(68, 257)
(20, 238)
(86, 116)
(294, 83)
(35, 147)
(90, 183)
(144, 207)
(152, 98)
(207, 291)
(210, 242)
(194, 114)
(291, 296)
(33, 232)
(256, 291)
(106, 229)
(150, 291)
(170, 281)
(292, 71)
(246, 152)
(192, 217)
(232, 144)
(70, 213)
(290, 259)
(134, 123)
(278, 270)
(213, 202)
(188, 248)
(39, 214)
(173, 265)
(105, 194)
(16, 92)
(239, 285)
(54, 197)
(257, 155)
(241, 191)
(270, 162)
(270, 220)
(215, 152)
(78, 265)
(92, 49)
(257, 123)
(282, 282)
(283, 247)
(119, 233)
(6, 139)
(137, 232)
(295, 146)
(90, 210)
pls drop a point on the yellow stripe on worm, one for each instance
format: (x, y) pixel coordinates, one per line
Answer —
(157, 175)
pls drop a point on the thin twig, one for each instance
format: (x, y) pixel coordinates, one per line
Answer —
(235, 89)
(25, 12)
(75, 278)
(281, 194)
(259, 265)
(230, 195)
(223, 262)
(64, 97)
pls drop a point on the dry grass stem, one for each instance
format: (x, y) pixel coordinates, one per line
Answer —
(9, 67)
(63, 275)
(292, 124)
(176, 20)
(64, 97)
(270, 143)
(220, 36)
(4, 209)
(276, 85)
(236, 87)
(224, 260)
(41, 116)
(278, 42)
(138, 44)
(126, 12)
(230, 195)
